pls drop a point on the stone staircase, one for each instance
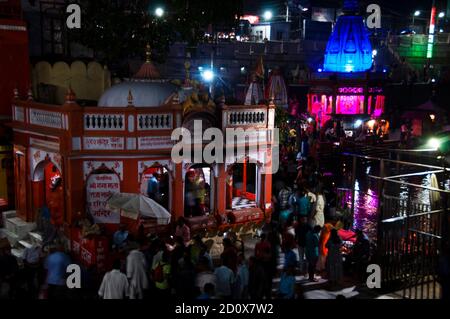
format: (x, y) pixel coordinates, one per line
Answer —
(20, 234)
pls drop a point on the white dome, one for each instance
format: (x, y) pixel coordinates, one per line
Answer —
(145, 94)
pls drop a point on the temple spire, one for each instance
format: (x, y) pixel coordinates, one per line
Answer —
(148, 53)
(30, 95)
(130, 99)
(70, 97)
(349, 48)
(148, 71)
(351, 6)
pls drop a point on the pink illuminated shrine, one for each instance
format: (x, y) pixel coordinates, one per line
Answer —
(328, 99)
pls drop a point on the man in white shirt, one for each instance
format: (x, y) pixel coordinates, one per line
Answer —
(114, 284)
(137, 274)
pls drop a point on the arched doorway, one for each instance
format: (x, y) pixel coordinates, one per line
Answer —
(198, 191)
(155, 183)
(242, 189)
(48, 191)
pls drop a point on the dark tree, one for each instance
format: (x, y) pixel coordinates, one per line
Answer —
(118, 30)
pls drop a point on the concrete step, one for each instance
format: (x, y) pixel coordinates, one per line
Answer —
(36, 237)
(25, 243)
(8, 214)
(12, 237)
(19, 227)
(17, 252)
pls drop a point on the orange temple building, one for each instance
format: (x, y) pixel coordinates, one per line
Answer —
(69, 159)
(15, 71)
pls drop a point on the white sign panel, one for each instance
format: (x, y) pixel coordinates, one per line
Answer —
(155, 142)
(99, 188)
(104, 143)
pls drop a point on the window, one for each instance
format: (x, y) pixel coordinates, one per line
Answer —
(155, 182)
(242, 186)
(198, 191)
(53, 28)
(279, 35)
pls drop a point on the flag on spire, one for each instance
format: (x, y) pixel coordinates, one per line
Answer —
(259, 70)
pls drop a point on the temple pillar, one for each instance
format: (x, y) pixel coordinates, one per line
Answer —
(75, 190)
(21, 168)
(221, 189)
(334, 101)
(267, 186)
(366, 99)
(244, 177)
(178, 192)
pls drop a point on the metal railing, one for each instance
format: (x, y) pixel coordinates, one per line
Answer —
(410, 231)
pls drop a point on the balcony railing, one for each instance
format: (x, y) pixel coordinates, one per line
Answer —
(149, 122)
(104, 122)
(129, 128)
(245, 116)
(19, 113)
(46, 118)
(96, 120)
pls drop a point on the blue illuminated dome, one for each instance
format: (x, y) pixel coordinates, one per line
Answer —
(349, 48)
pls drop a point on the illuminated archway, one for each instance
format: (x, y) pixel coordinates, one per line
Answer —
(48, 190)
(199, 190)
(243, 181)
(155, 183)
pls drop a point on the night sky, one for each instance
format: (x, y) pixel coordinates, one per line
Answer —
(400, 7)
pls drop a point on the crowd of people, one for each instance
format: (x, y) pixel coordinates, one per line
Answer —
(305, 231)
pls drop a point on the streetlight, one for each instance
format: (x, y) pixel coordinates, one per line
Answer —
(441, 15)
(208, 75)
(434, 143)
(159, 12)
(416, 14)
(268, 15)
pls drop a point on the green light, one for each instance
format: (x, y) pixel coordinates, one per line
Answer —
(434, 143)
(430, 50)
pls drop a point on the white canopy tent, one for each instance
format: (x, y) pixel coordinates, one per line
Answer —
(135, 205)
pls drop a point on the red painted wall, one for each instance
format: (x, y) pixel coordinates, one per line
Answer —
(14, 62)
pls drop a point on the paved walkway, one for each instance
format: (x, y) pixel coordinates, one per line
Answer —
(321, 289)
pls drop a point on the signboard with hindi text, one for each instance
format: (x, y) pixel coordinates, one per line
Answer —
(104, 143)
(99, 188)
(155, 142)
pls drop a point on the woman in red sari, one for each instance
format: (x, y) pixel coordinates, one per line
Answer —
(323, 250)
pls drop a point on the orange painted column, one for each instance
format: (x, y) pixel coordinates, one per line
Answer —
(244, 177)
(267, 191)
(75, 190)
(221, 190)
(177, 193)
